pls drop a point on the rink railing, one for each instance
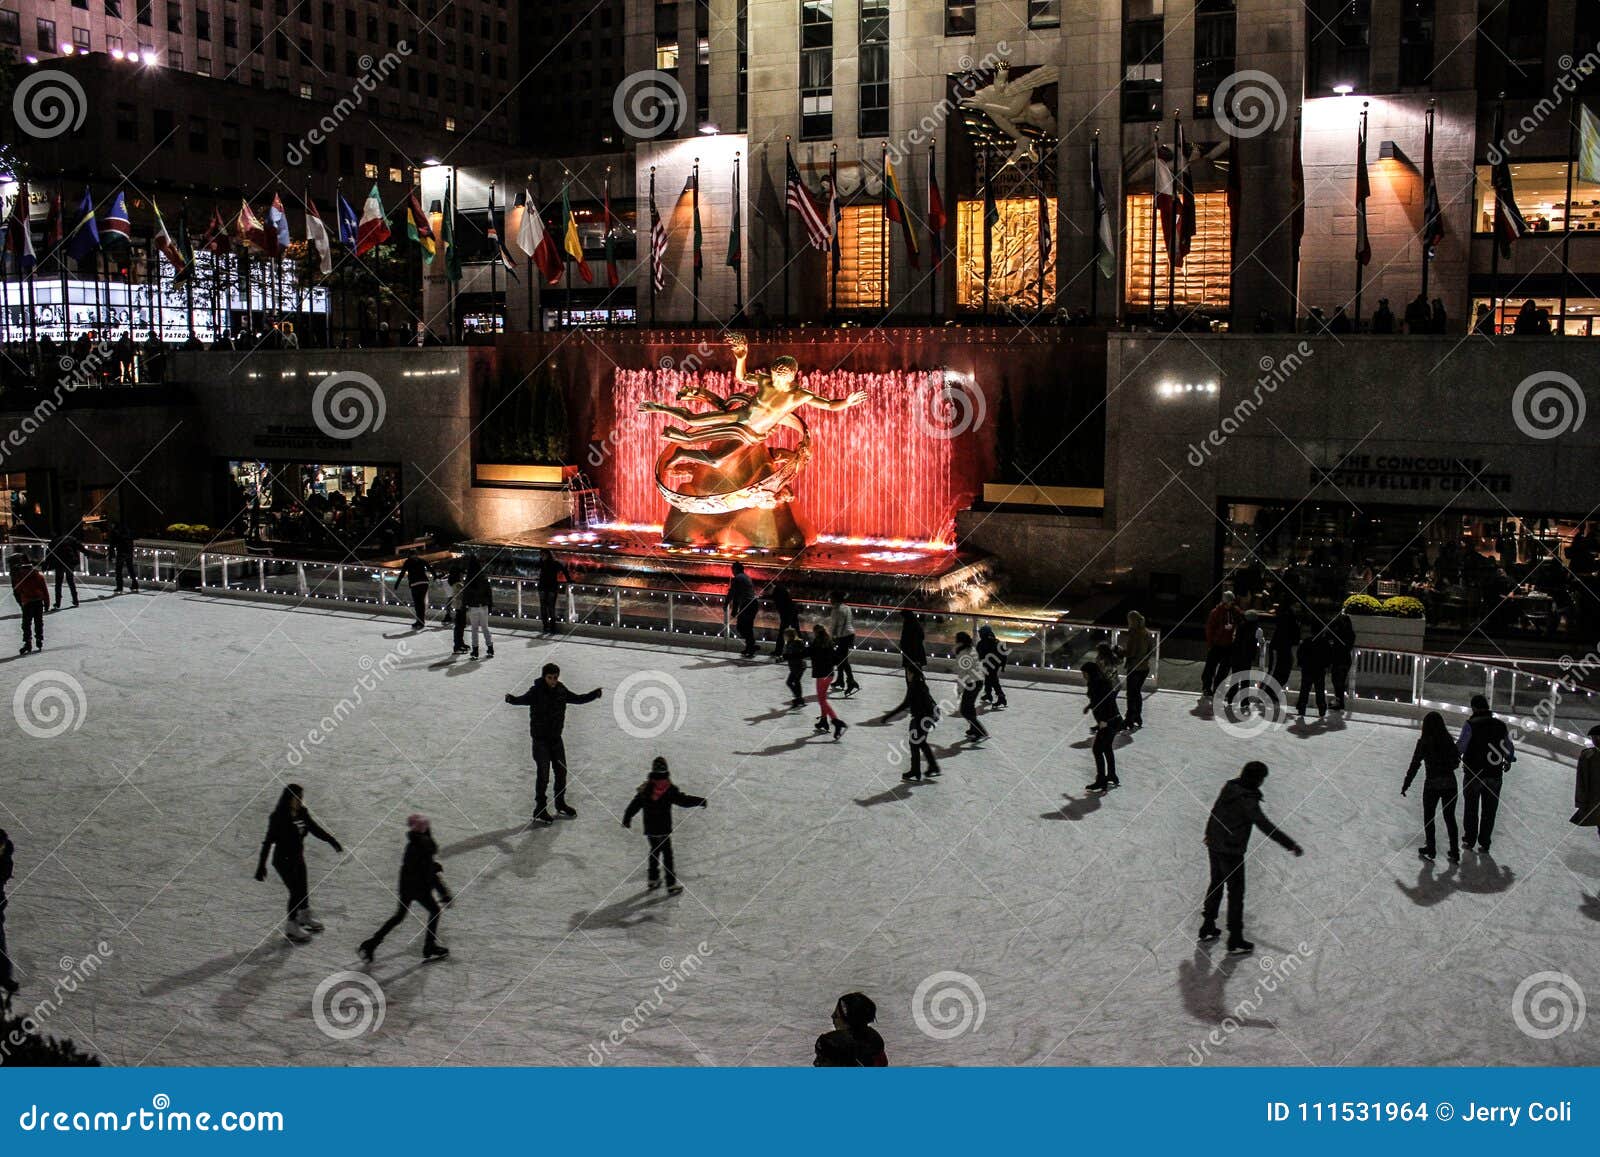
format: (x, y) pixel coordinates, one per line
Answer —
(152, 564)
(1034, 643)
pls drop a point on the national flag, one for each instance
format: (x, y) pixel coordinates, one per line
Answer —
(894, 208)
(1508, 222)
(84, 236)
(535, 240)
(114, 225)
(691, 189)
(373, 228)
(19, 232)
(349, 224)
(500, 246)
(52, 223)
(1297, 184)
(1363, 191)
(1432, 213)
(835, 215)
(658, 246)
(317, 237)
(277, 227)
(249, 230)
(1105, 241)
(419, 230)
(1046, 239)
(1183, 190)
(1166, 201)
(613, 276)
(571, 243)
(452, 251)
(162, 240)
(216, 242)
(800, 200)
(936, 214)
(735, 244)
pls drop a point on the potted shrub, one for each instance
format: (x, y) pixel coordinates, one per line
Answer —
(1394, 624)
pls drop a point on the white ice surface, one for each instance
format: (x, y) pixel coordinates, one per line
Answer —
(810, 875)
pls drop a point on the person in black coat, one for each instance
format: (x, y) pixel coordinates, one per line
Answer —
(1102, 693)
(546, 702)
(120, 541)
(551, 575)
(788, 619)
(1315, 653)
(1438, 753)
(287, 830)
(795, 653)
(421, 877)
(969, 681)
(924, 718)
(913, 657)
(656, 798)
(477, 596)
(8, 984)
(415, 574)
(853, 1043)
(456, 576)
(1285, 638)
(743, 606)
(1341, 654)
(1235, 814)
(1487, 752)
(824, 660)
(992, 655)
(66, 552)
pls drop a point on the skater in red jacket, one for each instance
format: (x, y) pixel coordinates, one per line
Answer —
(33, 596)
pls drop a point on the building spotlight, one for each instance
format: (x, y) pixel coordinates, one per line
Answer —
(1344, 89)
(710, 129)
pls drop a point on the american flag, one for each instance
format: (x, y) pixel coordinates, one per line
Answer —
(658, 247)
(801, 201)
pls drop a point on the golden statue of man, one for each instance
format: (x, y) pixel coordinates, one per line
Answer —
(745, 418)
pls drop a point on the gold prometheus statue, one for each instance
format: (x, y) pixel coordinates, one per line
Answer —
(720, 466)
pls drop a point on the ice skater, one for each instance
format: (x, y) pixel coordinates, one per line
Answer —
(788, 618)
(842, 626)
(66, 552)
(913, 657)
(120, 540)
(969, 681)
(853, 1043)
(8, 983)
(33, 596)
(1486, 754)
(1138, 646)
(421, 877)
(1341, 654)
(1221, 626)
(993, 655)
(924, 718)
(456, 609)
(1243, 659)
(551, 575)
(656, 798)
(415, 574)
(546, 702)
(478, 597)
(743, 606)
(794, 653)
(1438, 753)
(1235, 814)
(1315, 653)
(287, 829)
(1101, 690)
(1281, 647)
(824, 658)
(1586, 793)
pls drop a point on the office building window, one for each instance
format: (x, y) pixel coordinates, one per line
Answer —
(174, 58)
(1416, 43)
(396, 175)
(145, 12)
(113, 44)
(80, 39)
(1044, 13)
(202, 65)
(1142, 36)
(742, 49)
(1515, 41)
(46, 34)
(10, 27)
(114, 9)
(1338, 45)
(199, 135)
(667, 55)
(174, 16)
(816, 69)
(1215, 25)
(202, 24)
(874, 69)
(960, 17)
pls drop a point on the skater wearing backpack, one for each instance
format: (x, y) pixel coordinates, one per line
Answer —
(287, 830)
(656, 798)
(420, 877)
(853, 1043)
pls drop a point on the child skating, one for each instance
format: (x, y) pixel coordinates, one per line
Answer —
(656, 798)
(421, 877)
(794, 653)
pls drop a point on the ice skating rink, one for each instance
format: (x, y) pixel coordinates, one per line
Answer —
(1041, 926)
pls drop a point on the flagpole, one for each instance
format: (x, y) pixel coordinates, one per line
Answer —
(494, 265)
(788, 159)
(652, 246)
(531, 207)
(738, 269)
(987, 229)
(566, 258)
(1361, 268)
(452, 199)
(1094, 234)
(938, 241)
(1494, 249)
(1566, 212)
(188, 281)
(1044, 208)
(1428, 149)
(1155, 211)
(1296, 164)
(1174, 243)
(699, 258)
(61, 261)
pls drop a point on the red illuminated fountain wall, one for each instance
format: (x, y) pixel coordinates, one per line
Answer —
(890, 468)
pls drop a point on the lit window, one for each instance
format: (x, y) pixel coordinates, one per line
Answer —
(1541, 188)
(1013, 254)
(1204, 279)
(395, 175)
(305, 92)
(449, 124)
(861, 264)
(369, 171)
(667, 55)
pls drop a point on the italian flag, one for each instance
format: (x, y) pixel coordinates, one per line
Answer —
(373, 230)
